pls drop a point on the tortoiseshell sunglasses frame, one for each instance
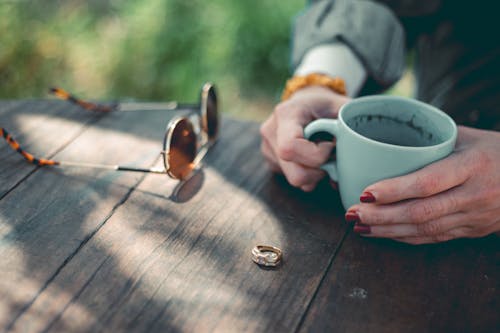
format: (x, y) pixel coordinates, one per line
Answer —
(197, 147)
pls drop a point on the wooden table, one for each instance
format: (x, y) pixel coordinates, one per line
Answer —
(86, 250)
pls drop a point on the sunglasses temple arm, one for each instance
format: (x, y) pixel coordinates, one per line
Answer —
(112, 167)
(63, 94)
(42, 162)
(27, 156)
(187, 106)
(164, 106)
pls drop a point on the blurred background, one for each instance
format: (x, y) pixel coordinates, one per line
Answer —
(154, 50)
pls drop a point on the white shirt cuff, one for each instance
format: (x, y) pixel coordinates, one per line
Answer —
(335, 59)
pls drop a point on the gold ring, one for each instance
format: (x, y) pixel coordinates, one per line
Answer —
(265, 255)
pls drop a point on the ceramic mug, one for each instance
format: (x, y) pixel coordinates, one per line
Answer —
(379, 137)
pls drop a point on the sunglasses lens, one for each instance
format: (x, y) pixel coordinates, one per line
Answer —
(181, 150)
(212, 114)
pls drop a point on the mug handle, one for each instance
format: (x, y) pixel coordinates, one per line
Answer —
(330, 126)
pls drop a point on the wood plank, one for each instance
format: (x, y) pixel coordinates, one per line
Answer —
(41, 127)
(159, 265)
(382, 286)
(53, 213)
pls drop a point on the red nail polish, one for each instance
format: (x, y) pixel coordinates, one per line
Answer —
(352, 216)
(367, 197)
(360, 228)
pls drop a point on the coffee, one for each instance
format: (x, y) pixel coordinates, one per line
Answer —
(393, 131)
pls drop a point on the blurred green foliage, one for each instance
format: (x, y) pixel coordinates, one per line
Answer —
(147, 50)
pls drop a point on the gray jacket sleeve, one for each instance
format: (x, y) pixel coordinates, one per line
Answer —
(370, 29)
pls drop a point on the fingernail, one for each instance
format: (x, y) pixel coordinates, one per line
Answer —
(352, 216)
(367, 197)
(360, 228)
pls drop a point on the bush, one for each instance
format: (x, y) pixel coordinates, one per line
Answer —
(149, 50)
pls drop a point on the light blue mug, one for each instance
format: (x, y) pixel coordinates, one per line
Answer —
(381, 137)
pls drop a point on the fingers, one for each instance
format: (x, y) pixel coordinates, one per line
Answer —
(305, 152)
(428, 217)
(460, 232)
(432, 179)
(290, 143)
(426, 240)
(441, 229)
(452, 198)
(297, 175)
(415, 211)
(284, 145)
(432, 229)
(269, 156)
(301, 176)
(303, 158)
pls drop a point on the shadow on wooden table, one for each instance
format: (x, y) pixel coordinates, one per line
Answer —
(88, 250)
(48, 216)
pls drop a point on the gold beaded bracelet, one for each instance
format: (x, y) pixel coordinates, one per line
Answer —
(298, 82)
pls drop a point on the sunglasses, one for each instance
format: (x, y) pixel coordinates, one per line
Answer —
(183, 146)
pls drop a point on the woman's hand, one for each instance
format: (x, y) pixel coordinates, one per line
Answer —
(283, 143)
(458, 196)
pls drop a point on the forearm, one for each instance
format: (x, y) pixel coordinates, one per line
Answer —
(371, 31)
(335, 60)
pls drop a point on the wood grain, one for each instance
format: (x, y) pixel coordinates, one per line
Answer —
(49, 217)
(157, 264)
(42, 128)
(88, 251)
(108, 251)
(383, 286)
